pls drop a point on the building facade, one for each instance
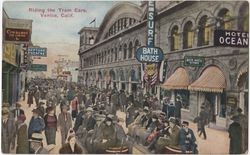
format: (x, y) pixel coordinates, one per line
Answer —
(182, 29)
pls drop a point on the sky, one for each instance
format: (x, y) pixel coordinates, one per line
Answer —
(59, 34)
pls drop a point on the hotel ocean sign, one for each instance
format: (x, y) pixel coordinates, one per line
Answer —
(231, 38)
(149, 53)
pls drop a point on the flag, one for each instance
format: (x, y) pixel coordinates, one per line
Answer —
(92, 21)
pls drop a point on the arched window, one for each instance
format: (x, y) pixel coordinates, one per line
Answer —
(204, 31)
(112, 55)
(108, 56)
(105, 57)
(124, 52)
(175, 39)
(188, 35)
(137, 44)
(243, 23)
(116, 55)
(120, 53)
(226, 22)
(130, 50)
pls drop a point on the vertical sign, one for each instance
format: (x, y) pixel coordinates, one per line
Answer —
(151, 24)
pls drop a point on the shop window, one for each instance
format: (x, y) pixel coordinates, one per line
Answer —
(130, 48)
(175, 39)
(204, 32)
(188, 35)
(125, 51)
(226, 22)
(184, 98)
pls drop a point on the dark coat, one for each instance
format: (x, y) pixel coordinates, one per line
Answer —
(8, 134)
(235, 136)
(89, 123)
(178, 109)
(79, 120)
(22, 140)
(65, 149)
(17, 112)
(183, 137)
(36, 125)
(171, 111)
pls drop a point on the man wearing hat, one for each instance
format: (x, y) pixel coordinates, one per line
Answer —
(36, 145)
(8, 131)
(79, 117)
(187, 139)
(90, 140)
(202, 121)
(36, 123)
(235, 135)
(22, 136)
(107, 136)
(64, 123)
(17, 111)
(89, 121)
(171, 139)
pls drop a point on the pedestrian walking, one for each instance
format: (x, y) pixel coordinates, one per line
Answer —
(36, 124)
(235, 135)
(203, 117)
(178, 105)
(30, 97)
(50, 120)
(71, 147)
(64, 123)
(171, 110)
(17, 111)
(8, 131)
(36, 144)
(22, 135)
(79, 118)
(74, 107)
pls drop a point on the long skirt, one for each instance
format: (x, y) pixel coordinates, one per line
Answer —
(50, 134)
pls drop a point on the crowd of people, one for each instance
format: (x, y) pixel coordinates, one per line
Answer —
(88, 121)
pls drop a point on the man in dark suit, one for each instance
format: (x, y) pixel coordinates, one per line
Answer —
(187, 139)
(17, 111)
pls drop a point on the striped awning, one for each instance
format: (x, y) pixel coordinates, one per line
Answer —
(178, 80)
(242, 71)
(211, 80)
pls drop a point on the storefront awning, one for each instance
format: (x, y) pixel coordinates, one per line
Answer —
(178, 80)
(211, 80)
(242, 71)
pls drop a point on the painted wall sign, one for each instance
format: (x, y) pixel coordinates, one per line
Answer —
(37, 51)
(9, 53)
(149, 54)
(17, 35)
(194, 61)
(231, 38)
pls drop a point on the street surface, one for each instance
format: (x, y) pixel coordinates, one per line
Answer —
(217, 141)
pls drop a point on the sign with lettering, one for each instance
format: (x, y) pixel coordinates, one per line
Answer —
(17, 35)
(19, 23)
(231, 38)
(151, 24)
(37, 51)
(194, 61)
(231, 100)
(149, 54)
(38, 67)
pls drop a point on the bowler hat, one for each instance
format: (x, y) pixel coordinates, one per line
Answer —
(185, 122)
(172, 119)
